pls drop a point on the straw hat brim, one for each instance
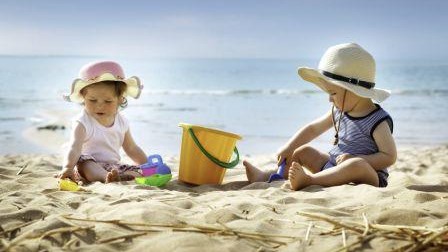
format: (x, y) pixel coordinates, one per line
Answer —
(315, 76)
(134, 87)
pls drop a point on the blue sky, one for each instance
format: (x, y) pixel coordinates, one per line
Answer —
(223, 29)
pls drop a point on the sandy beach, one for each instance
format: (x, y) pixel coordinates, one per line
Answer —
(409, 215)
(261, 70)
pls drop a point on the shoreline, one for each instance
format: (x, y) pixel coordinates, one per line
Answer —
(51, 134)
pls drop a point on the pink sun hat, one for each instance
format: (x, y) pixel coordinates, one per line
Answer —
(95, 72)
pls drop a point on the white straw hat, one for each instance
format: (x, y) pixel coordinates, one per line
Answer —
(348, 66)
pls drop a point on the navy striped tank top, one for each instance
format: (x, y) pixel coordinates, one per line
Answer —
(356, 133)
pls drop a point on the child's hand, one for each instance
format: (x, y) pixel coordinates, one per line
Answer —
(284, 153)
(66, 173)
(341, 158)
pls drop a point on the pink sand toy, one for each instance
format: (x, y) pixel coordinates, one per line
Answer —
(155, 172)
(154, 165)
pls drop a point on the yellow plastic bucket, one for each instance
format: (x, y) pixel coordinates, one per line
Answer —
(205, 154)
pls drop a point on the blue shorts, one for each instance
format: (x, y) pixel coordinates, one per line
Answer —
(382, 175)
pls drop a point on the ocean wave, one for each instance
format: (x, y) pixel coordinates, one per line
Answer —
(421, 92)
(285, 92)
(8, 119)
(232, 92)
(178, 109)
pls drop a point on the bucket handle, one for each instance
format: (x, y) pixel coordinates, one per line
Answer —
(212, 158)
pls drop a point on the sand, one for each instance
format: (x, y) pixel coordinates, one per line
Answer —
(236, 216)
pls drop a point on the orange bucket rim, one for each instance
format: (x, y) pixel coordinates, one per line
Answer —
(194, 126)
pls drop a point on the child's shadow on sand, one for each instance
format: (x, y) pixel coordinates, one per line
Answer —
(428, 188)
(176, 185)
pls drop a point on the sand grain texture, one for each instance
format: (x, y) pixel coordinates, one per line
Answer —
(235, 216)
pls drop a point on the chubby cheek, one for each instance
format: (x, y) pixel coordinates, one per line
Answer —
(339, 104)
(112, 107)
(335, 101)
(89, 106)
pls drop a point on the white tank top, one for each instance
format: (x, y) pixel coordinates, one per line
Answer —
(103, 143)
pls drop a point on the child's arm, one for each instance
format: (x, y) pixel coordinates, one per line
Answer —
(72, 157)
(387, 151)
(133, 150)
(305, 135)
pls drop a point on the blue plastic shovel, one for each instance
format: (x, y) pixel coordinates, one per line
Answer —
(279, 174)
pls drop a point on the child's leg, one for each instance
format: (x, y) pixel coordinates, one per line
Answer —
(92, 171)
(254, 174)
(313, 160)
(128, 172)
(355, 170)
(112, 176)
(129, 175)
(305, 155)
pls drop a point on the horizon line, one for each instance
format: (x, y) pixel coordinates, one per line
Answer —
(202, 58)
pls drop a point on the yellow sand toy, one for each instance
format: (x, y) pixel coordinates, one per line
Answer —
(68, 185)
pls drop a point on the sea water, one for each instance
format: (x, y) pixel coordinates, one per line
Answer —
(263, 100)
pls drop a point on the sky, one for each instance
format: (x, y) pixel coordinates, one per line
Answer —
(413, 29)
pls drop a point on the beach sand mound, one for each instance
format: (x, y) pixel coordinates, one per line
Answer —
(411, 213)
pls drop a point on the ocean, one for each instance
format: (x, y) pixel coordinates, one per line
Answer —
(263, 100)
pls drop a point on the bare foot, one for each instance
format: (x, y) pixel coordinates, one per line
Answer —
(112, 176)
(129, 175)
(254, 174)
(297, 177)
